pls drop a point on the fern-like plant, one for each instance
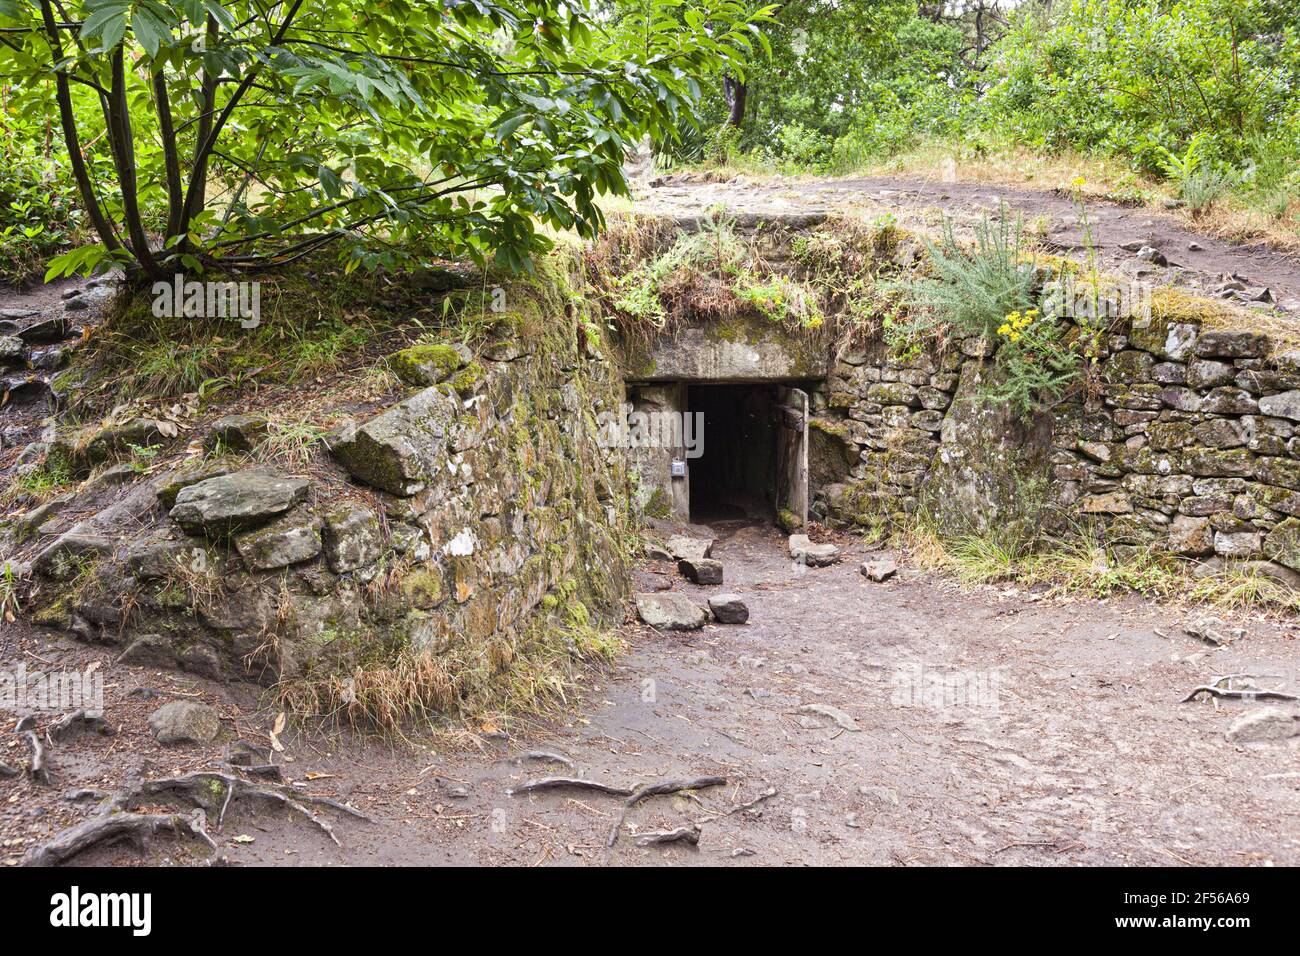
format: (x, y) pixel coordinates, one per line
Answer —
(973, 290)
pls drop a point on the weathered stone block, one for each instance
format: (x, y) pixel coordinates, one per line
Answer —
(237, 432)
(289, 540)
(1115, 502)
(1283, 543)
(1284, 472)
(425, 365)
(353, 537)
(701, 571)
(1191, 536)
(893, 393)
(220, 506)
(1282, 405)
(1204, 373)
(1240, 544)
(403, 449)
(1233, 343)
(1218, 463)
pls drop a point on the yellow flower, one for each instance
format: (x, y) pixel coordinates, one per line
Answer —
(1015, 336)
(1079, 182)
(1004, 329)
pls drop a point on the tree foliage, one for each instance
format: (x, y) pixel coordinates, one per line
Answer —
(247, 133)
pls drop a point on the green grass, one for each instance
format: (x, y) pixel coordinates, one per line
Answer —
(290, 442)
(1088, 566)
(42, 483)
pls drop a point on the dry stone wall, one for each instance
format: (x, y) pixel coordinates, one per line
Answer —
(459, 521)
(1191, 443)
(1184, 435)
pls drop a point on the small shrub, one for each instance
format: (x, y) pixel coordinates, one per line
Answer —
(974, 290)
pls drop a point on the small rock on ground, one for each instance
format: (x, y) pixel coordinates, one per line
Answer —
(842, 720)
(1264, 723)
(880, 569)
(701, 570)
(185, 721)
(729, 609)
(817, 555)
(1213, 630)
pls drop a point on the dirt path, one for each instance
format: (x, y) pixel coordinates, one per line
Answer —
(1195, 260)
(1060, 741)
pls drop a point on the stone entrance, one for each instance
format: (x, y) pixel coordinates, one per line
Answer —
(712, 450)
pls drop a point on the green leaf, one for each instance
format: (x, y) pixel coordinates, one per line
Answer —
(108, 23)
(151, 31)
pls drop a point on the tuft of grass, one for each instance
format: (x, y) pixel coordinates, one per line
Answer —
(9, 602)
(41, 483)
(291, 442)
(510, 677)
(1086, 565)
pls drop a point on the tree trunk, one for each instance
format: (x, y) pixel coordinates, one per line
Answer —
(736, 93)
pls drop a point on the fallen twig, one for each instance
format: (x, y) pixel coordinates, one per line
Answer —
(1238, 694)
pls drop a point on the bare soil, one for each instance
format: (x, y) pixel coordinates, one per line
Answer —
(1060, 740)
(1195, 260)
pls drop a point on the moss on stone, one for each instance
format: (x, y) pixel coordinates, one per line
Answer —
(788, 520)
(468, 379)
(658, 505)
(423, 588)
(424, 365)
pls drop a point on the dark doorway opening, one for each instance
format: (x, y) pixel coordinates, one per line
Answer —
(736, 476)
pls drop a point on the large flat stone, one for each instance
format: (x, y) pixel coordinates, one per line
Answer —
(1263, 724)
(802, 549)
(230, 503)
(756, 352)
(402, 449)
(670, 611)
(684, 548)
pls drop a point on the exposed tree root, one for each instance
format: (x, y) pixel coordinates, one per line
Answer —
(36, 766)
(658, 789)
(67, 722)
(204, 788)
(687, 834)
(767, 794)
(137, 827)
(1238, 694)
(547, 756)
(556, 783)
(208, 790)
